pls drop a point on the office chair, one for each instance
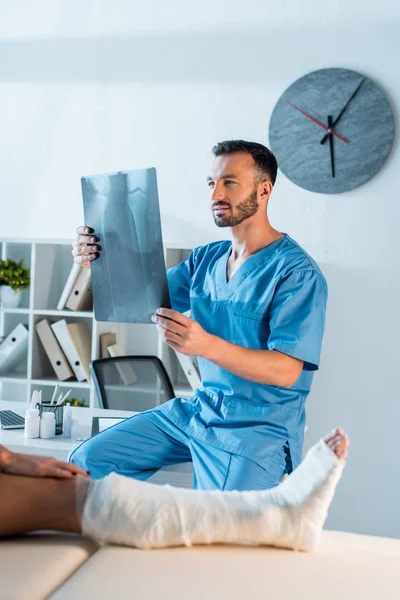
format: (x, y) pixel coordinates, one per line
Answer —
(131, 382)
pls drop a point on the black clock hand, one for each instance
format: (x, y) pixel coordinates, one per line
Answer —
(340, 115)
(330, 125)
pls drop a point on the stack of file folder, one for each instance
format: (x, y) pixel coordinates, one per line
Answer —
(13, 349)
(77, 293)
(68, 347)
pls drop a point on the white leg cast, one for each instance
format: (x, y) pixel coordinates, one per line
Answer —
(134, 513)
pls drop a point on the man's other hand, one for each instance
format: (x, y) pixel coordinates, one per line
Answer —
(182, 333)
(85, 247)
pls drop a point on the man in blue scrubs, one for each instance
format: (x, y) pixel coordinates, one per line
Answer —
(257, 320)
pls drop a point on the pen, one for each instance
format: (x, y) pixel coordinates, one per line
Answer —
(33, 399)
(54, 394)
(66, 395)
(60, 399)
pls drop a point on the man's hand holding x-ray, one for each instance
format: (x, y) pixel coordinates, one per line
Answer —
(182, 333)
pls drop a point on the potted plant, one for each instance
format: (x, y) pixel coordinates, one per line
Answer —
(75, 402)
(14, 278)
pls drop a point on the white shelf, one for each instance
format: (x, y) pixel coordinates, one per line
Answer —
(183, 390)
(17, 311)
(13, 378)
(62, 313)
(52, 382)
(46, 312)
(50, 263)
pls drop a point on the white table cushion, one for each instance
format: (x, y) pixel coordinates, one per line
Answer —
(33, 566)
(346, 566)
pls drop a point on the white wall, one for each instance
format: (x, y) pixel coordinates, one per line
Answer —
(95, 86)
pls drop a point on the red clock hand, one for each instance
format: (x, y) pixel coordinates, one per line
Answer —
(318, 123)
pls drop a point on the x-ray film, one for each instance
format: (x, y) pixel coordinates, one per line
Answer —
(129, 277)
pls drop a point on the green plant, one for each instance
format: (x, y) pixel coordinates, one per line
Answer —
(76, 402)
(14, 274)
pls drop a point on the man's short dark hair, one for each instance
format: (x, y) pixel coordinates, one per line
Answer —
(265, 161)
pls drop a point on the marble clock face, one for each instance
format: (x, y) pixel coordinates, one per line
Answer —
(344, 110)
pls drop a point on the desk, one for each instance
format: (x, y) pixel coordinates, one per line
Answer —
(60, 447)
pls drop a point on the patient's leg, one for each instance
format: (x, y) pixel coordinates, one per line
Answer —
(32, 503)
(291, 515)
(126, 511)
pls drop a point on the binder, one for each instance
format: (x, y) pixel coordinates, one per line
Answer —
(80, 337)
(74, 339)
(125, 369)
(69, 285)
(190, 369)
(13, 349)
(106, 339)
(81, 297)
(53, 350)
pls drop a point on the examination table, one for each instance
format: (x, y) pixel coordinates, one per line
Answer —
(60, 567)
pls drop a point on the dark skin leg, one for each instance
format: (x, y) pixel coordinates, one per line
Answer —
(30, 504)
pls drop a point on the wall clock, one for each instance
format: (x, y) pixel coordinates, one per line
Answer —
(331, 130)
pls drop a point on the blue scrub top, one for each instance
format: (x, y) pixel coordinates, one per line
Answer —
(276, 300)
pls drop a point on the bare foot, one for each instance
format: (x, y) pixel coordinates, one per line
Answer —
(338, 441)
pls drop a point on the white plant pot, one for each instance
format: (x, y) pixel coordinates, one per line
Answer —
(10, 298)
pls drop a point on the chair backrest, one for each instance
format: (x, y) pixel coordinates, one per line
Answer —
(131, 382)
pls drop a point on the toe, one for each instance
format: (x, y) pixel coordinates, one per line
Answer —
(330, 435)
(338, 442)
(340, 448)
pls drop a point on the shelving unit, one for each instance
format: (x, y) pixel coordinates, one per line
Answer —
(50, 262)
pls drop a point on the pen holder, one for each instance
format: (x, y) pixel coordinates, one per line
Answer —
(58, 414)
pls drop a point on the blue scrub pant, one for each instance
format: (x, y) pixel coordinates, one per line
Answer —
(138, 447)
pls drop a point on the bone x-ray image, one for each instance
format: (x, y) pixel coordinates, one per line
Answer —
(129, 277)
